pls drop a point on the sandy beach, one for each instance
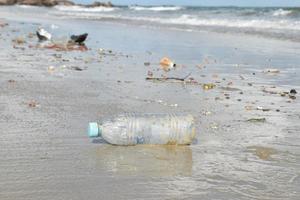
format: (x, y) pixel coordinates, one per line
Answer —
(247, 144)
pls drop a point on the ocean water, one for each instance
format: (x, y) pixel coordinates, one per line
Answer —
(281, 23)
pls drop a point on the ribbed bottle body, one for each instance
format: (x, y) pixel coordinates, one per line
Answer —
(132, 129)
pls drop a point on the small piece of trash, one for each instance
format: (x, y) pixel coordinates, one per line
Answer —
(30, 35)
(66, 47)
(262, 109)
(263, 153)
(167, 64)
(147, 63)
(32, 104)
(249, 108)
(257, 120)
(3, 24)
(206, 113)
(51, 69)
(77, 68)
(273, 71)
(208, 86)
(213, 126)
(231, 89)
(150, 74)
(19, 40)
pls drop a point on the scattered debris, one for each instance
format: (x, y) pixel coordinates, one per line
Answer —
(3, 24)
(167, 64)
(272, 71)
(242, 78)
(104, 52)
(291, 94)
(66, 47)
(257, 120)
(59, 56)
(17, 47)
(32, 104)
(275, 92)
(206, 113)
(262, 109)
(206, 61)
(76, 68)
(168, 78)
(217, 98)
(263, 153)
(150, 74)
(208, 86)
(230, 89)
(213, 125)
(51, 69)
(248, 108)
(30, 35)
(19, 40)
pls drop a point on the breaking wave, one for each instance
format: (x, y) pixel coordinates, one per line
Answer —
(190, 20)
(277, 22)
(237, 23)
(156, 8)
(84, 9)
(281, 12)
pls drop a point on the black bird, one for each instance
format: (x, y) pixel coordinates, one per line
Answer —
(79, 38)
(293, 91)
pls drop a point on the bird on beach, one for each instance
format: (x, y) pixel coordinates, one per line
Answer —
(292, 94)
(43, 35)
(79, 38)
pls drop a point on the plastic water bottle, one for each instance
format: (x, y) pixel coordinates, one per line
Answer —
(133, 129)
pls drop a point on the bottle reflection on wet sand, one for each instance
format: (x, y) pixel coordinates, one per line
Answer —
(145, 160)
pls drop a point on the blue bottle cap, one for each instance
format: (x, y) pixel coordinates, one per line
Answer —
(93, 129)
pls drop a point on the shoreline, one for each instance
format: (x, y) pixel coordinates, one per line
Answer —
(286, 30)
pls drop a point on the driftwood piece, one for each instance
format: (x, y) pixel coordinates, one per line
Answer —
(167, 78)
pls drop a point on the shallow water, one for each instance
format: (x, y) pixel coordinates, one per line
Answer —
(282, 23)
(45, 153)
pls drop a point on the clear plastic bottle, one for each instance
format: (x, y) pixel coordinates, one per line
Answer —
(133, 129)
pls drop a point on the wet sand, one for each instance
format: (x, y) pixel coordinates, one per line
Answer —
(44, 112)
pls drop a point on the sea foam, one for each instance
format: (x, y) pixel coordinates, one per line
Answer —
(84, 9)
(156, 8)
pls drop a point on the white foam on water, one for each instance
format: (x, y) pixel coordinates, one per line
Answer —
(281, 12)
(25, 6)
(237, 23)
(84, 9)
(193, 20)
(156, 8)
